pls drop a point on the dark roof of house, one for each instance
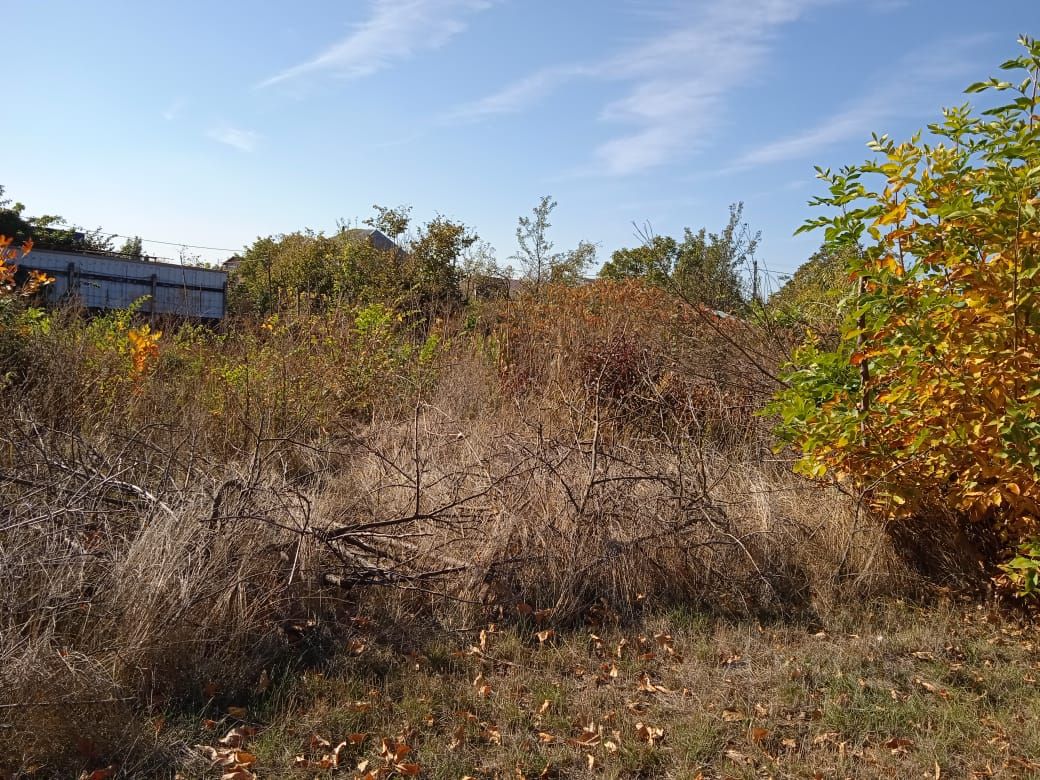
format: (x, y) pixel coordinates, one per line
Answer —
(376, 238)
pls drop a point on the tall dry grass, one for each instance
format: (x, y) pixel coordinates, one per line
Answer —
(167, 541)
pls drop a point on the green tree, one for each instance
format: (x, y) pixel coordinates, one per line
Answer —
(49, 231)
(653, 261)
(534, 249)
(132, 248)
(539, 263)
(707, 265)
(434, 262)
(308, 267)
(570, 267)
(12, 223)
(815, 297)
(392, 221)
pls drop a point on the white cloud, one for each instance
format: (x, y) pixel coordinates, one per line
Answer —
(395, 30)
(520, 94)
(243, 140)
(677, 85)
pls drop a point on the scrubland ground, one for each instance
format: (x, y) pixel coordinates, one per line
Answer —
(549, 540)
(891, 690)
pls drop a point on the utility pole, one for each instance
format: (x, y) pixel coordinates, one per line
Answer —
(754, 280)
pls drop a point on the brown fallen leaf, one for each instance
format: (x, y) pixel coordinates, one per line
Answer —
(237, 736)
(238, 712)
(899, 744)
(493, 735)
(649, 734)
(731, 716)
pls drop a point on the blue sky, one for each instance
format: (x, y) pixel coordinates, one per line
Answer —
(213, 123)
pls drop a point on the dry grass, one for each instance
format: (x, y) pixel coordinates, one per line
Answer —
(894, 691)
(169, 543)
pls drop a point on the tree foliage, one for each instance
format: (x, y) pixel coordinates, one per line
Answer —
(49, 231)
(816, 296)
(705, 268)
(932, 400)
(540, 264)
(318, 270)
(652, 261)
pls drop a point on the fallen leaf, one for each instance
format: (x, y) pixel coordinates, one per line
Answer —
(237, 736)
(737, 757)
(649, 734)
(493, 735)
(899, 744)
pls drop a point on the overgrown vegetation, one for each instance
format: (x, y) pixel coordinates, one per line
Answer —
(931, 403)
(378, 524)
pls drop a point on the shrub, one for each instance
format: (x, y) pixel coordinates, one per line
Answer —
(932, 399)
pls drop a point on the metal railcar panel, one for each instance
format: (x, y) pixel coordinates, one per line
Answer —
(113, 282)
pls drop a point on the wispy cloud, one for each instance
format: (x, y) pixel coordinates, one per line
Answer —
(243, 140)
(911, 92)
(395, 30)
(677, 83)
(521, 94)
(173, 110)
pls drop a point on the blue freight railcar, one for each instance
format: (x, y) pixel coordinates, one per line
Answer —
(102, 282)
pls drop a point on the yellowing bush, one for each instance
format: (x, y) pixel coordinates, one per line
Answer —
(933, 399)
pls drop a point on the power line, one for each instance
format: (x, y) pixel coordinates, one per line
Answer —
(173, 243)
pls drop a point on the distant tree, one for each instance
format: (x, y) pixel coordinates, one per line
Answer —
(434, 261)
(12, 223)
(812, 298)
(393, 221)
(703, 267)
(654, 261)
(571, 267)
(707, 265)
(132, 248)
(49, 231)
(535, 251)
(324, 270)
